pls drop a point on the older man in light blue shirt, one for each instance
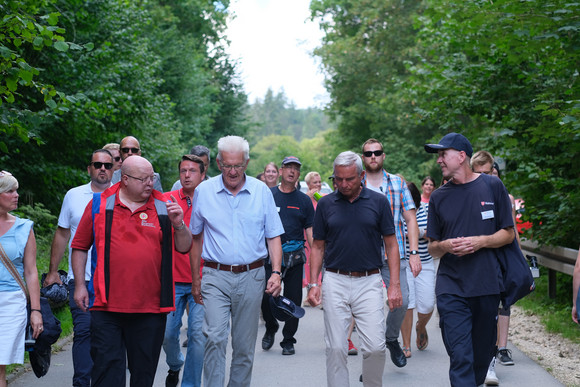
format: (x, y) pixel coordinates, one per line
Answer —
(232, 215)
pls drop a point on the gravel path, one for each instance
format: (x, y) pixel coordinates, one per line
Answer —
(559, 356)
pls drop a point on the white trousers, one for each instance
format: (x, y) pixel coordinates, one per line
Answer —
(362, 298)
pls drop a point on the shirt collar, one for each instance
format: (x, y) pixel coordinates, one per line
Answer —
(364, 194)
(248, 186)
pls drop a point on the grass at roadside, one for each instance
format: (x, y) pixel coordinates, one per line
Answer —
(555, 314)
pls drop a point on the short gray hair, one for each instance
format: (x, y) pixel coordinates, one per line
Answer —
(200, 150)
(348, 158)
(7, 182)
(233, 144)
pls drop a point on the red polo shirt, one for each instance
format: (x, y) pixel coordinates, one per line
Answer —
(135, 261)
(182, 265)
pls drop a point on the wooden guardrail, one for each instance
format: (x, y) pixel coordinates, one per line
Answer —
(558, 258)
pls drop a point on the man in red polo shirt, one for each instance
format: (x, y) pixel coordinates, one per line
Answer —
(133, 230)
(191, 173)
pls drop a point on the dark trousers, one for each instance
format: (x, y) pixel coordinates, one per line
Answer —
(138, 335)
(469, 330)
(292, 290)
(81, 349)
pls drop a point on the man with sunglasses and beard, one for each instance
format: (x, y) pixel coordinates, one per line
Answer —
(403, 210)
(76, 199)
(130, 147)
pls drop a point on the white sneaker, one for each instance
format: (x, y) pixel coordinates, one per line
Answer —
(491, 378)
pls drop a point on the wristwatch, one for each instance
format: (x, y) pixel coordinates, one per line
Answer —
(310, 286)
(413, 252)
(181, 226)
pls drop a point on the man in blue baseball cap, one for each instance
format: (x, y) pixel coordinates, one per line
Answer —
(469, 218)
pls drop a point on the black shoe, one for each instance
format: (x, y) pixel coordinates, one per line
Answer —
(184, 343)
(268, 340)
(288, 349)
(397, 355)
(172, 379)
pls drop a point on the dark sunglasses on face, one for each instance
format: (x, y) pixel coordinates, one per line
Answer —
(99, 165)
(370, 153)
(117, 159)
(132, 150)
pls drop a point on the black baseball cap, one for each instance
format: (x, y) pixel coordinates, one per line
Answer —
(452, 140)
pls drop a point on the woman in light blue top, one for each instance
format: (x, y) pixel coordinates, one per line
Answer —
(19, 245)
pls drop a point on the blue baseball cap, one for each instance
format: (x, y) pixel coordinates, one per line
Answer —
(452, 140)
(290, 160)
(284, 309)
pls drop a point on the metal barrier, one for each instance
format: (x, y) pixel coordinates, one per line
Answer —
(558, 258)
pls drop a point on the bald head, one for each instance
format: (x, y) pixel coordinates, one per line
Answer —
(130, 147)
(135, 164)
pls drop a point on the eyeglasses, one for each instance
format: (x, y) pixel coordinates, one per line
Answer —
(370, 153)
(117, 159)
(132, 150)
(99, 165)
(295, 167)
(230, 167)
(144, 180)
(5, 173)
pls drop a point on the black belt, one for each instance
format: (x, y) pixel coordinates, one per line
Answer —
(235, 268)
(354, 273)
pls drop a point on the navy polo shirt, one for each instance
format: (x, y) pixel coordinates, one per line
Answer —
(353, 232)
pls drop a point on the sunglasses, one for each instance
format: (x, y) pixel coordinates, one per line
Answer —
(117, 159)
(370, 153)
(99, 165)
(132, 150)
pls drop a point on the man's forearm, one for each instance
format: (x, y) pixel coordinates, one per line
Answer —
(58, 247)
(436, 248)
(78, 262)
(182, 239)
(316, 254)
(275, 252)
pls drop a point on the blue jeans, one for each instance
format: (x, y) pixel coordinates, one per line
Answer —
(81, 350)
(196, 340)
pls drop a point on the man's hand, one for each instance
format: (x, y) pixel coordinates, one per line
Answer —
(314, 296)
(574, 314)
(395, 298)
(51, 278)
(196, 291)
(463, 245)
(174, 211)
(415, 264)
(81, 297)
(274, 285)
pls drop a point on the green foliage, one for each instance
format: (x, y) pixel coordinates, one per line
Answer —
(275, 115)
(504, 73)
(315, 154)
(155, 70)
(44, 221)
(26, 29)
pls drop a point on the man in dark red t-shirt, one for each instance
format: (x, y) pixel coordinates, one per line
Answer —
(133, 230)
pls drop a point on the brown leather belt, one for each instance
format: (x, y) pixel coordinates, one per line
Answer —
(235, 268)
(354, 273)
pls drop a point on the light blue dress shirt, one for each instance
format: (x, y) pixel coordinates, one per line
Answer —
(234, 227)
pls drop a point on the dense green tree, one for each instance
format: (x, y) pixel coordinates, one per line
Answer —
(276, 115)
(504, 73)
(157, 70)
(366, 47)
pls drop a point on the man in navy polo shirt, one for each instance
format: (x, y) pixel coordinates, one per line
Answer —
(350, 227)
(469, 217)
